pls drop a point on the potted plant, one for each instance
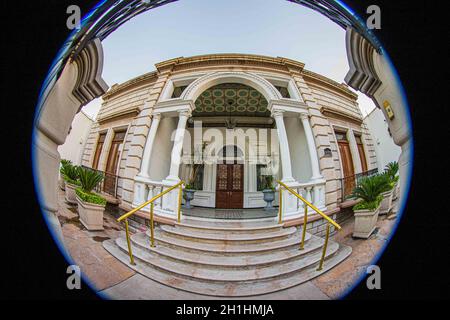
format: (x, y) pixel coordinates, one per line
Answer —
(369, 190)
(91, 206)
(70, 176)
(391, 170)
(386, 202)
(188, 195)
(62, 169)
(190, 189)
(268, 192)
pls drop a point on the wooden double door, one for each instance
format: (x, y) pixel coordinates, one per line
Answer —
(347, 164)
(230, 186)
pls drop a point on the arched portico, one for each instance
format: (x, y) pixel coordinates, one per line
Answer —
(186, 109)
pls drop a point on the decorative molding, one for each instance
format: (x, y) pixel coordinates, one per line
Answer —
(329, 112)
(129, 112)
(214, 78)
(360, 54)
(90, 83)
(118, 88)
(340, 87)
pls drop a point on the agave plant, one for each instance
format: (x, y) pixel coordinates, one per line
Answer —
(391, 170)
(69, 173)
(89, 178)
(369, 189)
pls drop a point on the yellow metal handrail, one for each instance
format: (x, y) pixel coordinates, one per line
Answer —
(305, 219)
(151, 202)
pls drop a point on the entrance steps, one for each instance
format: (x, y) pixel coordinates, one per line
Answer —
(227, 259)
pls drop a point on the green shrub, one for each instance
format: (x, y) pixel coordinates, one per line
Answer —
(189, 186)
(369, 189)
(89, 178)
(368, 205)
(268, 183)
(69, 173)
(90, 197)
(391, 171)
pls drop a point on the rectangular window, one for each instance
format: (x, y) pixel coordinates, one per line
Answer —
(284, 91)
(177, 91)
(198, 180)
(341, 136)
(261, 171)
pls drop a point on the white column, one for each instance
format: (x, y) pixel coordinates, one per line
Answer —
(178, 146)
(284, 147)
(311, 147)
(145, 165)
(354, 151)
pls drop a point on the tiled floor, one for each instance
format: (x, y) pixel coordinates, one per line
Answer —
(117, 281)
(231, 214)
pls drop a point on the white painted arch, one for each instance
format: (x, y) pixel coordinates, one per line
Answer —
(198, 86)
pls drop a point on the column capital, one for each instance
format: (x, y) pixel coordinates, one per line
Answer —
(278, 113)
(304, 116)
(185, 113)
(156, 115)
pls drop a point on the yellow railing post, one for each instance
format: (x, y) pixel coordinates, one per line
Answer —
(179, 202)
(152, 231)
(324, 251)
(280, 206)
(128, 243)
(305, 221)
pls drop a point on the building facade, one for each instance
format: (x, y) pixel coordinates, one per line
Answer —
(233, 120)
(385, 148)
(73, 147)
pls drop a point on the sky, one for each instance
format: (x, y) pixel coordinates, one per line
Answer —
(194, 27)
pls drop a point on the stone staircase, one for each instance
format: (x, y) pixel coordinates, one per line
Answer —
(227, 259)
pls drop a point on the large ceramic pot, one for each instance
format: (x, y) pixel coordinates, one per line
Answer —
(269, 197)
(91, 214)
(188, 195)
(71, 196)
(386, 203)
(365, 222)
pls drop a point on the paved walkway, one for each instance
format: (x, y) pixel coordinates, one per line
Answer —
(117, 281)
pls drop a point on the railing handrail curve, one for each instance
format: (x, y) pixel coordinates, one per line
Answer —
(131, 212)
(309, 204)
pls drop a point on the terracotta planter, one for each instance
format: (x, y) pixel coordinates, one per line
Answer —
(269, 197)
(365, 222)
(71, 196)
(386, 203)
(91, 214)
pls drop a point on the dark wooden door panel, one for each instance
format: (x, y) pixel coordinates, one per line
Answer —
(362, 156)
(347, 167)
(229, 186)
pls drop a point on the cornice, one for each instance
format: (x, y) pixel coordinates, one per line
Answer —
(331, 83)
(129, 112)
(117, 88)
(284, 64)
(326, 111)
